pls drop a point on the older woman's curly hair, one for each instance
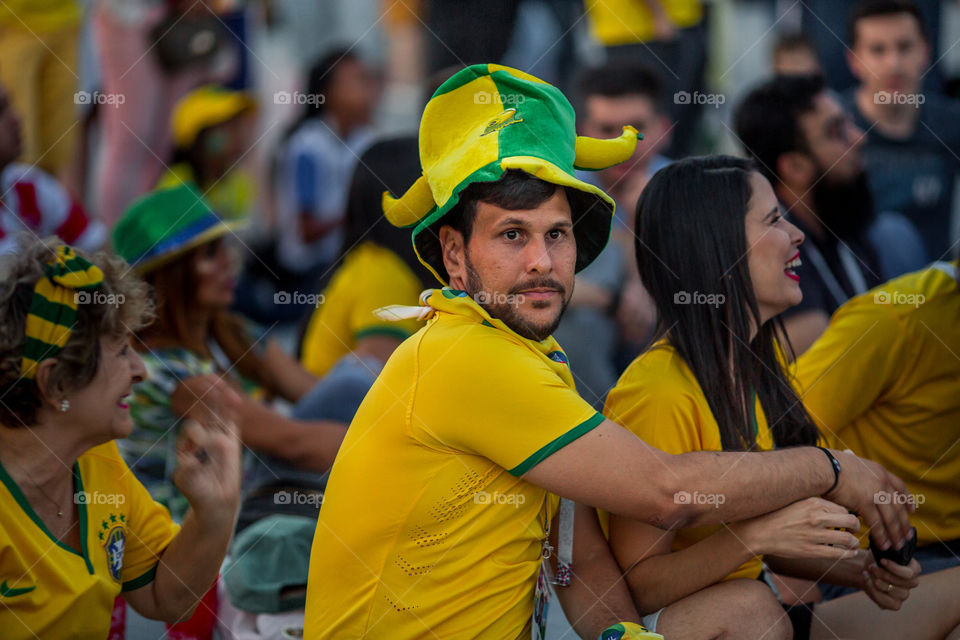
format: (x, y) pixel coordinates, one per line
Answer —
(125, 306)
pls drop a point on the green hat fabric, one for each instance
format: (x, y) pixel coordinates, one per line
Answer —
(164, 224)
(270, 556)
(487, 119)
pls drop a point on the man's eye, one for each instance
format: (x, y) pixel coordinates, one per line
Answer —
(557, 234)
(512, 234)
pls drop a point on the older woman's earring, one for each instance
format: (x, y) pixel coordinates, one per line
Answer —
(64, 405)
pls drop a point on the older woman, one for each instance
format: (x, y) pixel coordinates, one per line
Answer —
(76, 527)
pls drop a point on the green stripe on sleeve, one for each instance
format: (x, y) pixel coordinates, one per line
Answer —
(142, 581)
(391, 332)
(559, 443)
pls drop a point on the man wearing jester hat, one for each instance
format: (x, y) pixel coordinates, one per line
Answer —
(443, 500)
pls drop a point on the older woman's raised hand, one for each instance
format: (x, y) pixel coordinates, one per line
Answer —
(208, 459)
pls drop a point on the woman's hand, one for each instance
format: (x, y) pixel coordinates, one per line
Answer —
(889, 584)
(804, 529)
(208, 470)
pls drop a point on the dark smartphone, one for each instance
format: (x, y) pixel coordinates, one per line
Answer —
(901, 556)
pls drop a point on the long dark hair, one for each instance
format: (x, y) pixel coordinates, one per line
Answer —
(691, 243)
(319, 78)
(388, 165)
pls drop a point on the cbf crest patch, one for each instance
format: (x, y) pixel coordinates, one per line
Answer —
(114, 538)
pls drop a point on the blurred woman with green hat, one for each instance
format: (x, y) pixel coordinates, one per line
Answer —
(210, 127)
(175, 240)
(77, 529)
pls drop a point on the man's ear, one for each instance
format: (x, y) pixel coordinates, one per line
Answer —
(51, 396)
(796, 170)
(454, 255)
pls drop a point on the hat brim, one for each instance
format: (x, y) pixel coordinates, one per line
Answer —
(221, 228)
(592, 215)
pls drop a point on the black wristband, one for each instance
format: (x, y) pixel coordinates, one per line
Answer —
(836, 470)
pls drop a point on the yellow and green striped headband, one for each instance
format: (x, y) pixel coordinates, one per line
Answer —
(53, 308)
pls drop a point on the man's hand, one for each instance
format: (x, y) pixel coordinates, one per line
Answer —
(867, 489)
(890, 583)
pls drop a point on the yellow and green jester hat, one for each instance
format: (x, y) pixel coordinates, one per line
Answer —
(486, 119)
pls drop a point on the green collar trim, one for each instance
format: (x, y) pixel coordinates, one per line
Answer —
(21, 500)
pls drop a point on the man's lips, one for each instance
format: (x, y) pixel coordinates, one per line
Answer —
(121, 403)
(539, 293)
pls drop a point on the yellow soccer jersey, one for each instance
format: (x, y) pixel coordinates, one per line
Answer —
(884, 380)
(50, 590)
(658, 399)
(369, 278)
(427, 527)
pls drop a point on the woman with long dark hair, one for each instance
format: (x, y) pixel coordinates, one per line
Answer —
(718, 259)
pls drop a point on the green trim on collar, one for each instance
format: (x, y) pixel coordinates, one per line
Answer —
(559, 443)
(25, 505)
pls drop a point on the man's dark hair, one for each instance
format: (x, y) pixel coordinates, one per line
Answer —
(792, 41)
(515, 190)
(767, 122)
(618, 79)
(875, 8)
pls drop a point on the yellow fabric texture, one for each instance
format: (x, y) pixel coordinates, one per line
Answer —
(883, 380)
(427, 528)
(39, 72)
(40, 15)
(369, 278)
(52, 591)
(659, 400)
(618, 22)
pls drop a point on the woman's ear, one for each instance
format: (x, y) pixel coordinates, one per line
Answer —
(51, 396)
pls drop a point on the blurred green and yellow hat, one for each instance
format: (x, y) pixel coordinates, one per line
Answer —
(205, 107)
(164, 224)
(487, 119)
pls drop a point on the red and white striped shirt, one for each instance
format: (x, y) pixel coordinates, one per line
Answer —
(32, 200)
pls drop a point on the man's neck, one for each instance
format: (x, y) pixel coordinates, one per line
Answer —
(893, 119)
(798, 204)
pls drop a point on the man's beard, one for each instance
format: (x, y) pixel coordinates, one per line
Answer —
(508, 313)
(846, 209)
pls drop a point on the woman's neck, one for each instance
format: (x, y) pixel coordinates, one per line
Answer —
(41, 455)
